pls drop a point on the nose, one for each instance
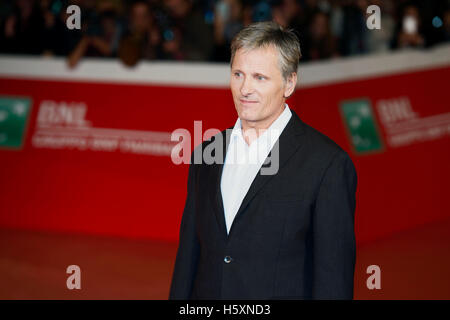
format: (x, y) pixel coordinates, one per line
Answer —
(246, 87)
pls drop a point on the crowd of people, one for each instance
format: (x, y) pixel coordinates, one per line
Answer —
(202, 30)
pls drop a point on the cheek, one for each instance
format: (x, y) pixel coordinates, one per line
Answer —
(272, 94)
(279, 93)
(234, 86)
(233, 93)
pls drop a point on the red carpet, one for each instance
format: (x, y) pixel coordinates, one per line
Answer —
(414, 265)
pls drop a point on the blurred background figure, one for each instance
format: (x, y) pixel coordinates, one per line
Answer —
(202, 30)
(319, 42)
(23, 29)
(58, 39)
(410, 30)
(380, 40)
(228, 22)
(445, 34)
(100, 40)
(142, 39)
(288, 13)
(186, 36)
(354, 30)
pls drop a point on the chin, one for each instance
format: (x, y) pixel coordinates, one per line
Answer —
(248, 116)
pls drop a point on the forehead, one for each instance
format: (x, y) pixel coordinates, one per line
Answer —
(264, 60)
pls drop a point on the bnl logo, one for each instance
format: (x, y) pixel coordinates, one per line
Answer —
(14, 112)
(361, 126)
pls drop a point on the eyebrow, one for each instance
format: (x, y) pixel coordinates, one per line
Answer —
(253, 74)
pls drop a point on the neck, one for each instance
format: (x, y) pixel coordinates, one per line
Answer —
(252, 130)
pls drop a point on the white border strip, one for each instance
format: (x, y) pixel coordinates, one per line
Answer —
(194, 74)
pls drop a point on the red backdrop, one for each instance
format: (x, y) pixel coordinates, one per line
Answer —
(142, 195)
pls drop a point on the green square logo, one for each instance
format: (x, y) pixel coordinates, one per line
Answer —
(14, 112)
(361, 126)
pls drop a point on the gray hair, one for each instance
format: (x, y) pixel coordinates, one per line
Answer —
(264, 34)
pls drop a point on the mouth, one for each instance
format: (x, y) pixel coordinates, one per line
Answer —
(248, 102)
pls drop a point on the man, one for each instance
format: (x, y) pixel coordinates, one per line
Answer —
(285, 235)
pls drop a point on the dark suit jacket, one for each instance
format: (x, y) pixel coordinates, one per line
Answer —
(292, 237)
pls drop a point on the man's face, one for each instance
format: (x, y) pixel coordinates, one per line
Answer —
(257, 87)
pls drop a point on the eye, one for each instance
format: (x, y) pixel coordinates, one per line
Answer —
(260, 78)
(237, 74)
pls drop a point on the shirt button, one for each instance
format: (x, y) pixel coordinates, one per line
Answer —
(227, 259)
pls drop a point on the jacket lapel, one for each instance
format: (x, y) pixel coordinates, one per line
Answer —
(288, 143)
(215, 177)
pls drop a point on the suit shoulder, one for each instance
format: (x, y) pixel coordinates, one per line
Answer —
(324, 153)
(321, 145)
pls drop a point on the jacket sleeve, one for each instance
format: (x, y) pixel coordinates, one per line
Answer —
(334, 247)
(188, 249)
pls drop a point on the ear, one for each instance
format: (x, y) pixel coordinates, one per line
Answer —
(291, 83)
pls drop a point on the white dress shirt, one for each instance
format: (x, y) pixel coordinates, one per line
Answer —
(243, 161)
